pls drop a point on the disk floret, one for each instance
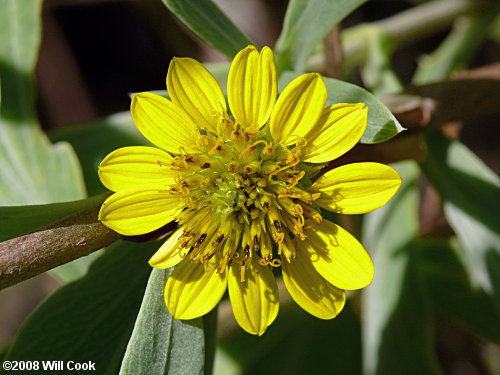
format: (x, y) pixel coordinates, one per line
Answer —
(245, 195)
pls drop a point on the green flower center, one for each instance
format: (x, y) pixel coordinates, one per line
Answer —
(244, 195)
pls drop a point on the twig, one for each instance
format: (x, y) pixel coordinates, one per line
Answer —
(403, 28)
(333, 54)
(66, 240)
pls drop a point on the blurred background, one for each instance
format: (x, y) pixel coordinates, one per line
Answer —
(94, 53)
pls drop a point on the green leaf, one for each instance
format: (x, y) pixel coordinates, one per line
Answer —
(297, 343)
(395, 304)
(382, 125)
(90, 319)
(33, 170)
(449, 287)
(207, 21)
(72, 271)
(160, 344)
(307, 22)
(470, 191)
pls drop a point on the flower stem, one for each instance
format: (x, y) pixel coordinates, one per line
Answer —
(66, 240)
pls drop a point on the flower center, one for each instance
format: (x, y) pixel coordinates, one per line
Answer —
(245, 195)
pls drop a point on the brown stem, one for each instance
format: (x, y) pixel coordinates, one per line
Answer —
(66, 240)
(333, 54)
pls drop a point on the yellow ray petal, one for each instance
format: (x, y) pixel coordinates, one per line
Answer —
(298, 108)
(168, 254)
(338, 256)
(309, 289)
(136, 167)
(162, 122)
(255, 301)
(192, 87)
(252, 86)
(357, 188)
(191, 292)
(339, 128)
(131, 213)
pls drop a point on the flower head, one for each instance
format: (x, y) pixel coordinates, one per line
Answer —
(243, 192)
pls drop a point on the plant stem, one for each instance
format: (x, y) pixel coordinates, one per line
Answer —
(403, 28)
(66, 240)
(457, 49)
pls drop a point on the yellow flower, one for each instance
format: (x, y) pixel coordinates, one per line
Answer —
(242, 190)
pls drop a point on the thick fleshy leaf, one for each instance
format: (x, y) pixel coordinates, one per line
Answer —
(136, 167)
(207, 21)
(92, 318)
(192, 87)
(130, 212)
(338, 256)
(448, 285)
(298, 108)
(339, 128)
(33, 171)
(191, 292)
(296, 343)
(163, 122)
(252, 86)
(396, 305)
(381, 126)
(255, 301)
(168, 254)
(470, 191)
(307, 22)
(357, 188)
(310, 290)
(159, 343)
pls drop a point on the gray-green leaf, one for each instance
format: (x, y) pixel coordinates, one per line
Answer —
(395, 304)
(33, 171)
(90, 319)
(382, 125)
(470, 191)
(451, 292)
(161, 344)
(207, 21)
(306, 24)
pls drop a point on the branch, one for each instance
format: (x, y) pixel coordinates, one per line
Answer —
(403, 28)
(61, 242)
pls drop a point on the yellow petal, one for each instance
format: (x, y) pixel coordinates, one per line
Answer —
(298, 108)
(168, 254)
(191, 292)
(309, 289)
(255, 301)
(136, 167)
(357, 188)
(162, 122)
(339, 128)
(130, 212)
(252, 86)
(338, 256)
(192, 87)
